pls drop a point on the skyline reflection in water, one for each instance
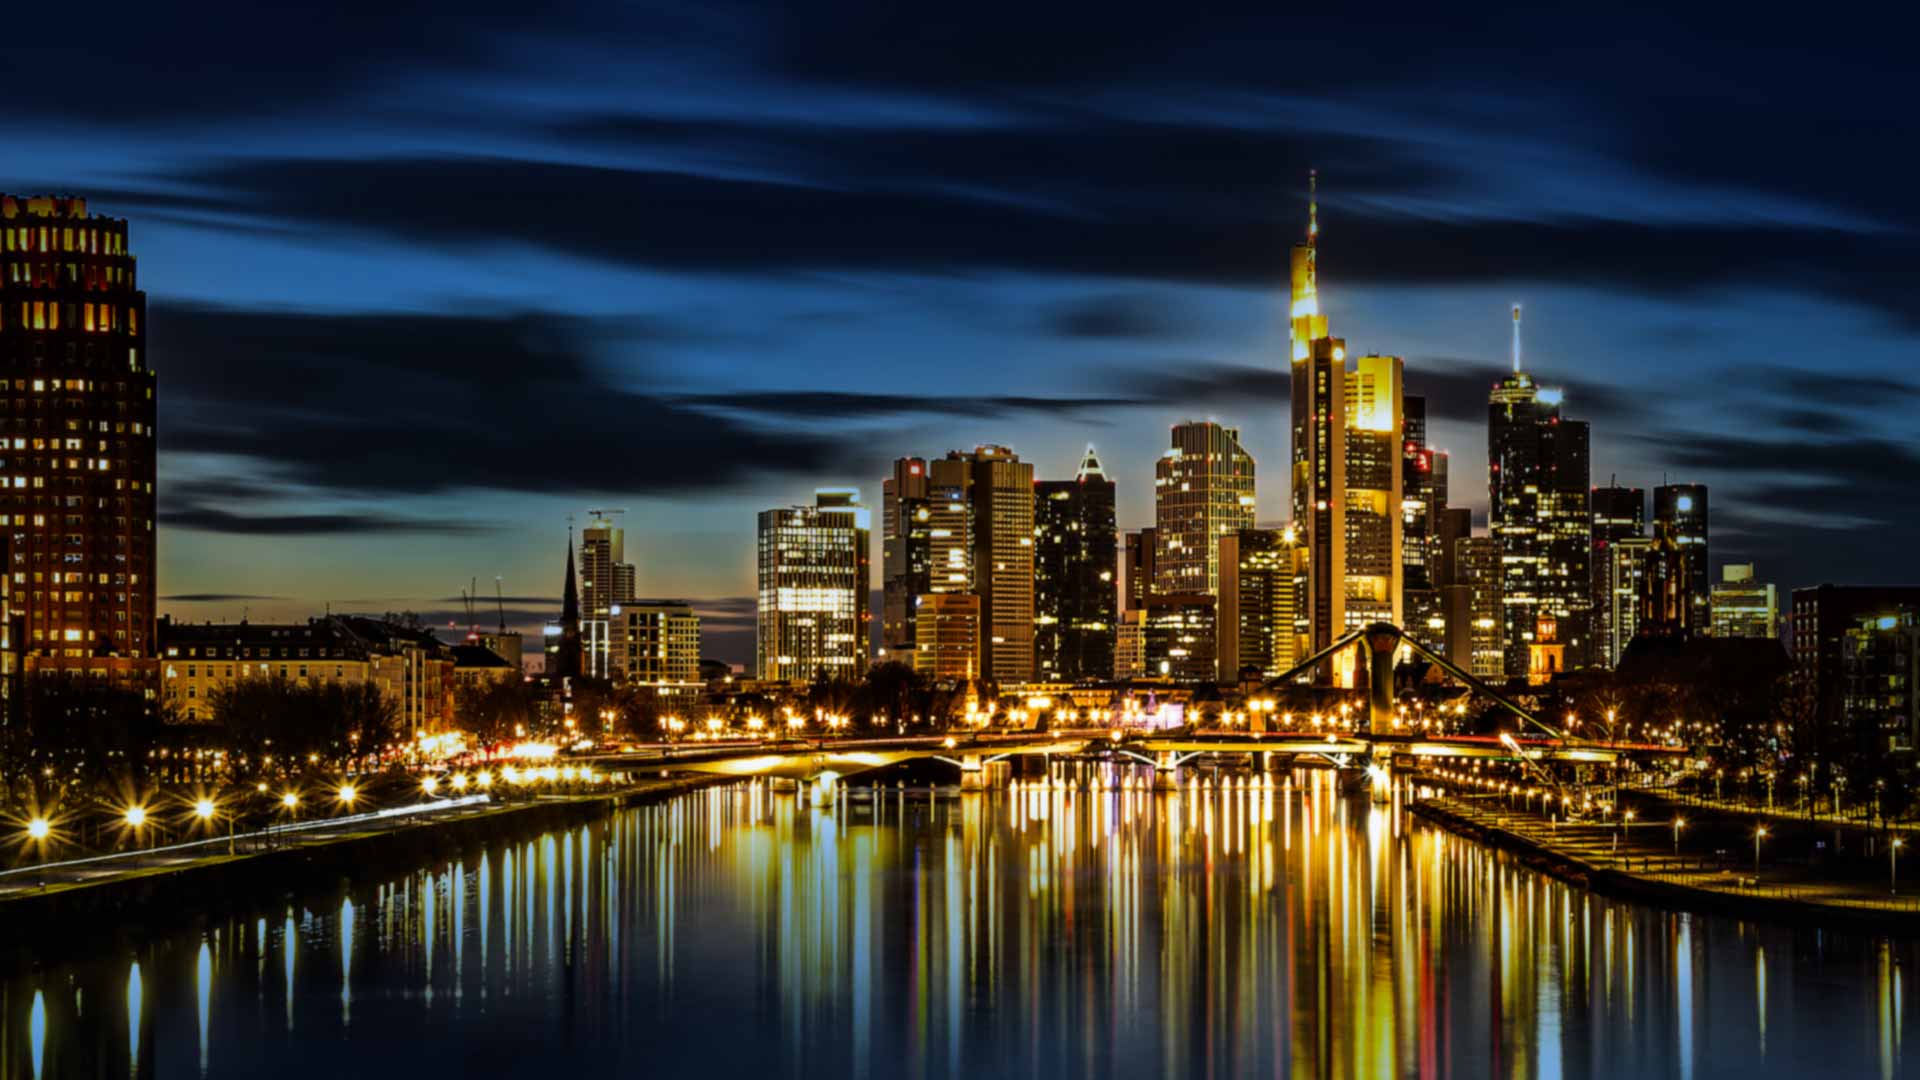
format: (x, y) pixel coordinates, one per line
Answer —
(1251, 924)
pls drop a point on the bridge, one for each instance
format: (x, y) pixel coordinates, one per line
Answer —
(1372, 744)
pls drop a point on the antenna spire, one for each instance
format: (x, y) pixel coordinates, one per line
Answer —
(1516, 339)
(1313, 230)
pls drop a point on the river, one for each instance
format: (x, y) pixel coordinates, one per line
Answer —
(1251, 925)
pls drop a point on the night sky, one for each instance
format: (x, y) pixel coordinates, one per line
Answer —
(422, 286)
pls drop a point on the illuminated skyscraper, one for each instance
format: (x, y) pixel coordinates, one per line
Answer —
(1259, 612)
(1347, 434)
(1683, 508)
(1537, 495)
(1202, 490)
(948, 646)
(81, 413)
(1619, 517)
(812, 605)
(1480, 616)
(997, 488)
(606, 582)
(1423, 493)
(1075, 594)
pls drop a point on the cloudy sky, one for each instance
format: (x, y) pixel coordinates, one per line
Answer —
(423, 285)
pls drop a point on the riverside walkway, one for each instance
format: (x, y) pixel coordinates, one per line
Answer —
(1642, 852)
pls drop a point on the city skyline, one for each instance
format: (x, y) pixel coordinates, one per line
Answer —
(1660, 284)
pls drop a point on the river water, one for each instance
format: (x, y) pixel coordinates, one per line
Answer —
(1248, 926)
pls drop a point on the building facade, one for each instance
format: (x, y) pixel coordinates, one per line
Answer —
(1075, 567)
(1537, 493)
(413, 669)
(606, 582)
(998, 489)
(77, 404)
(1743, 607)
(948, 646)
(1423, 494)
(1880, 676)
(1475, 611)
(1822, 616)
(1179, 638)
(655, 642)
(1203, 489)
(811, 616)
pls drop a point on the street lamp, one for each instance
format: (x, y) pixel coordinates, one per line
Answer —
(1893, 866)
(136, 819)
(1678, 824)
(1759, 834)
(347, 794)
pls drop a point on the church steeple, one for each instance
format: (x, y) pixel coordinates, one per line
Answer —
(566, 654)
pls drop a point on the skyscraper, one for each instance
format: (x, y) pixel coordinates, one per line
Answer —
(73, 344)
(606, 582)
(1202, 490)
(906, 562)
(1420, 488)
(606, 577)
(1347, 433)
(1619, 516)
(1259, 613)
(1075, 594)
(1480, 621)
(1683, 508)
(812, 614)
(948, 645)
(997, 488)
(1537, 495)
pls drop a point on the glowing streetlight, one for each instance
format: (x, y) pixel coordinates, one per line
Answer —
(1678, 824)
(290, 800)
(204, 809)
(135, 816)
(1893, 866)
(347, 794)
(1759, 834)
(429, 785)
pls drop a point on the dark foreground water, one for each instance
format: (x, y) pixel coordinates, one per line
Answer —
(1225, 930)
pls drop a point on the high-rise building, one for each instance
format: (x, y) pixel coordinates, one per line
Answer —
(1743, 607)
(1202, 490)
(1619, 514)
(1075, 594)
(1259, 616)
(812, 614)
(948, 625)
(996, 488)
(906, 560)
(1138, 554)
(1537, 495)
(656, 643)
(1683, 508)
(81, 501)
(1180, 637)
(1475, 613)
(606, 577)
(1620, 573)
(1346, 433)
(1822, 616)
(1419, 513)
(606, 582)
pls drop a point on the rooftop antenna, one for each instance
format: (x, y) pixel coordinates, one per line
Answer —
(1313, 231)
(1516, 339)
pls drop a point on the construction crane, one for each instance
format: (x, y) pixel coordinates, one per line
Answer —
(604, 514)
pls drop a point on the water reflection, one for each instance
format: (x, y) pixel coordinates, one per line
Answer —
(1084, 925)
